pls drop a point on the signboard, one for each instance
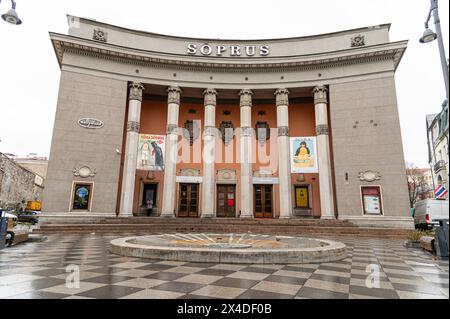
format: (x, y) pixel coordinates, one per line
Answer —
(189, 179)
(301, 197)
(304, 155)
(207, 49)
(372, 204)
(371, 196)
(440, 192)
(90, 123)
(265, 180)
(151, 151)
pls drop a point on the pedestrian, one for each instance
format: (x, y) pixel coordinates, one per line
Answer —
(149, 206)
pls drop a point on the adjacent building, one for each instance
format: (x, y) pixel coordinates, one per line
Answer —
(177, 127)
(437, 136)
(18, 184)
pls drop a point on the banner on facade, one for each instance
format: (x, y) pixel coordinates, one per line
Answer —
(151, 150)
(304, 155)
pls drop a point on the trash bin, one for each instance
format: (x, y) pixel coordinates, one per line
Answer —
(441, 238)
(3, 230)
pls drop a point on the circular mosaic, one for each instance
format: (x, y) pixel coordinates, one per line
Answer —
(230, 248)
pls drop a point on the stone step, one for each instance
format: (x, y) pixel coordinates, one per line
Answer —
(219, 228)
(226, 221)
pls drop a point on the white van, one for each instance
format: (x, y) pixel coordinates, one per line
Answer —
(428, 210)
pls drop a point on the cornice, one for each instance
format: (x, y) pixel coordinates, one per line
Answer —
(64, 43)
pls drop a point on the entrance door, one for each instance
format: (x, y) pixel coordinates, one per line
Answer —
(263, 201)
(149, 193)
(226, 200)
(188, 203)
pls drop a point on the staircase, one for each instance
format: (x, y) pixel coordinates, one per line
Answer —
(298, 227)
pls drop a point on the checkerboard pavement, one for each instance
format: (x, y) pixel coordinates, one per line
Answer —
(39, 270)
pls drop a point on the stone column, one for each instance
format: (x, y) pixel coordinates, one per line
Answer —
(131, 149)
(246, 154)
(323, 151)
(170, 166)
(284, 162)
(208, 186)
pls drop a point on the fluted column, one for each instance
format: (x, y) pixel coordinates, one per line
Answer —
(131, 149)
(246, 154)
(208, 187)
(323, 151)
(284, 163)
(169, 191)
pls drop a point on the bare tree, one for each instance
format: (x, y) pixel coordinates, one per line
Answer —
(417, 184)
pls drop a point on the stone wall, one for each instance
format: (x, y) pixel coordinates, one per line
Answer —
(85, 96)
(367, 137)
(17, 184)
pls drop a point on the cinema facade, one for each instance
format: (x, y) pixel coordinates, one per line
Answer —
(174, 127)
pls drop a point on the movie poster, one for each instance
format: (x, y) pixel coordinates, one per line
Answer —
(303, 155)
(151, 151)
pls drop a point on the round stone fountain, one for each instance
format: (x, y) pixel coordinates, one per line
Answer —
(230, 248)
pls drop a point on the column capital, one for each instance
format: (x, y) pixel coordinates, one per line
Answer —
(174, 93)
(136, 90)
(320, 94)
(210, 96)
(322, 129)
(282, 97)
(246, 97)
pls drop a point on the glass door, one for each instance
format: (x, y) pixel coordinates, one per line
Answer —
(188, 201)
(263, 201)
(226, 201)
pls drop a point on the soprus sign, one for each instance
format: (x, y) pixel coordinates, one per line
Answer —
(231, 50)
(90, 123)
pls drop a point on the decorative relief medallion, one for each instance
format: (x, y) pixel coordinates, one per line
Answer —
(226, 175)
(320, 94)
(246, 97)
(190, 172)
(133, 126)
(172, 129)
(151, 175)
(282, 97)
(262, 130)
(90, 123)
(369, 176)
(173, 96)
(136, 90)
(100, 35)
(84, 172)
(358, 41)
(210, 97)
(191, 131)
(322, 129)
(283, 131)
(300, 177)
(263, 173)
(227, 131)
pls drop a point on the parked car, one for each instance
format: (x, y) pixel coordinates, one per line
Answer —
(8, 215)
(427, 211)
(29, 217)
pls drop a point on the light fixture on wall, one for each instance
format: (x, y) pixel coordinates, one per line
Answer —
(11, 16)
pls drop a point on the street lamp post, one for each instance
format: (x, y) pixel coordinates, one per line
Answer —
(429, 36)
(11, 16)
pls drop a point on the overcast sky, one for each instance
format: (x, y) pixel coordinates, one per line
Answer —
(29, 72)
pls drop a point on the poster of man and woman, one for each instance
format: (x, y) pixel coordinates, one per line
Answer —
(303, 155)
(151, 150)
